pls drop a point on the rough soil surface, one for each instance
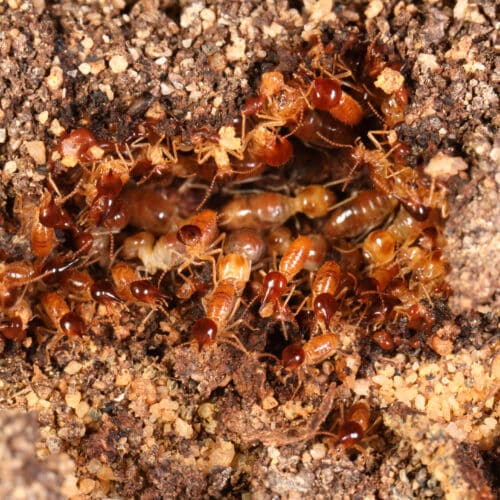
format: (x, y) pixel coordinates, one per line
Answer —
(140, 420)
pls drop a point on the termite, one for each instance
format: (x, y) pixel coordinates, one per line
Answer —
(134, 289)
(275, 282)
(326, 94)
(267, 210)
(194, 242)
(67, 323)
(312, 352)
(354, 428)
(233, 274)
(324, 287)
(367, 210)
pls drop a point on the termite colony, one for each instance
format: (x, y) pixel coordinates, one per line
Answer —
(298, 217)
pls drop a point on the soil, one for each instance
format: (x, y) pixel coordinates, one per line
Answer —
(128, 416)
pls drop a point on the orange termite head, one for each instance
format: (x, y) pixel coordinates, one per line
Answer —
(350, 433)
(109, 184)
(253, 105)
(189, 234)
(274, 285)
(325, 93)
(384, 340)
(204, 332)
(293, 357)
(279, 152)
(13, 330)
(51, 215)
(145, 291)
(72, 325)
(324, 306)
(8, 296)
(271, 83)
(103, 292)
(82, 241)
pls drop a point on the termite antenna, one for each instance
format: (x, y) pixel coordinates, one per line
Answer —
(207, 194)
(333, 143)
(376, 113)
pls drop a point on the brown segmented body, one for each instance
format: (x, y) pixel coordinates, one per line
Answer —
(261, 211)
(327, 278)
(246, 242)
(406, 229)
(235, 269)
(319, 348)
(366, 211)
(43, 239)
(221, 303)
(123, 276)
(54, 306)
(294, 258)
(77, 283)
(268, 210)
(348, 110)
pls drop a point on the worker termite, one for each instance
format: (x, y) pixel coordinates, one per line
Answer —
(367, 210)
(134, 289)
(19, 314)
(406, 229)
(83, 287)
(14, 275)
(267, 146)
(275, 282)
(354, 428)
(320, 129)
(59, 316)
(297, 357)
(312, 352)
(233, 274)
(13, 329)
(282, 102)
(379, 247)
(324, 287)
(229, 154)
(327, 95)
(42, 238)
(280, 239)
(194, 242)
(268, 209)
(200, 236)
